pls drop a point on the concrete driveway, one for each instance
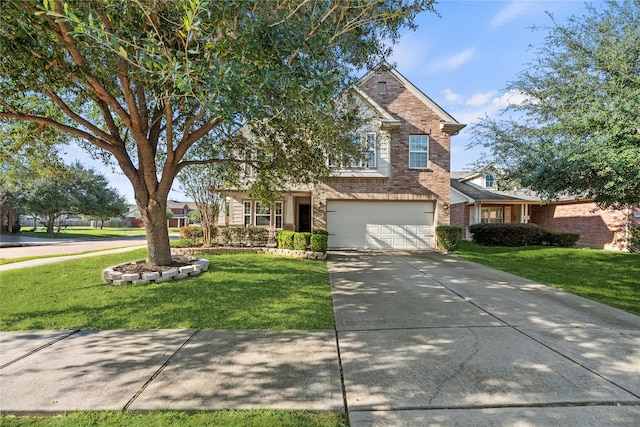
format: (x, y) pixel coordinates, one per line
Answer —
(429, 339)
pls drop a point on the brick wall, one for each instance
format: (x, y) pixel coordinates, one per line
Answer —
(597, 228)
(403, 183)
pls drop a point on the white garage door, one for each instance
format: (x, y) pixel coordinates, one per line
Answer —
(379, 225)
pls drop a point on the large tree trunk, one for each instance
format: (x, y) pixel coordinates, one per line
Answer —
(50, 225)
(155, 221)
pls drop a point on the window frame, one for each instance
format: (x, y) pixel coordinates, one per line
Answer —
(489, 219)
(247, 216)
(420, 152)
(371, 152)
(489, 180)
(278, 206)
(256, 215)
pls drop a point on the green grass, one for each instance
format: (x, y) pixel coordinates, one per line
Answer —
(228, 418)
(611, 278)
(240, 291)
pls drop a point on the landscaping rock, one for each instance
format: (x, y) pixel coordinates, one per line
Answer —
(151, 276)
(170, 273)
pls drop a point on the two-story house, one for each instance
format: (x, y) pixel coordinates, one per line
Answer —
(395, 197)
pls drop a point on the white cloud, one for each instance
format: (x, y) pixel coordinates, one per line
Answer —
(452, 97)
(509, 13)
(453, 61)
(509, 98)
(479, 99)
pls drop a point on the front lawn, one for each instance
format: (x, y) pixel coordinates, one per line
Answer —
(254, 418)
(241, 291)
(611, 278)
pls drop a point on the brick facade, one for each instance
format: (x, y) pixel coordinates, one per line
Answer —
(597, 228)
(403, 183)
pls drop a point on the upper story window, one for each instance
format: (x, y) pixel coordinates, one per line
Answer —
(418, 151)
(368, 157)
(489, 181)
(370, 154)
(382, 88)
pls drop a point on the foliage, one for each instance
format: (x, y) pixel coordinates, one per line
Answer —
(510, 234)
(320, 231)
(202, 183)
(448, 237)
(301, 241)
(245, 289)
(245, 236)
(635, 237)
(319, 242)
(196, 234)
(285, 239)
(70, 190)
(608, 277)
(562, 239)
(224, 418)
(578, 130)
(144, 84)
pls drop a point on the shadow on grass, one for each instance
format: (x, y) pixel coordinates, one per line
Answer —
(244, 291)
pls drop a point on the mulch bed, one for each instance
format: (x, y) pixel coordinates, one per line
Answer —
(143, 267)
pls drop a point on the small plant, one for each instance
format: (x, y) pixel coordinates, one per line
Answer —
(448, 237)
(319, 242)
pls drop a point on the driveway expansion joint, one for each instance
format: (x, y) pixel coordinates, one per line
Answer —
(159, 370)
(50, 343)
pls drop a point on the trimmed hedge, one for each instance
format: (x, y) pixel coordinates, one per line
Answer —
(301, 241)
(516, 234)
(285, 239)
(562, 239)
(315, 241)
(508, 234)
(245, 236)
(320, 231)
(448, 237)
(194, 233)
(319, 242)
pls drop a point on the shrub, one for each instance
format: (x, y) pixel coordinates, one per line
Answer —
(319, 242)
(562, 239)
(301, 241)
(320, 231)
(448, 237)
(635, 236)
(508, 234)
(245, 236)
(285, 239)
(191, 232)
(256, 236)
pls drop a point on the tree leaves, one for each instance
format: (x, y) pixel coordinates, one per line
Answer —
(577, 132)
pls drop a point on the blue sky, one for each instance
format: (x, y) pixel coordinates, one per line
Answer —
(462, 60)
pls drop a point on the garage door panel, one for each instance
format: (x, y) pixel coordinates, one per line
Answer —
(402, 225)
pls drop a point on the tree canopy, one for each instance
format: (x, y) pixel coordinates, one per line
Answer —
(143, 82)
(578, 131)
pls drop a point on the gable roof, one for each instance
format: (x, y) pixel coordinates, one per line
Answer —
(385, 117)
(447, 122)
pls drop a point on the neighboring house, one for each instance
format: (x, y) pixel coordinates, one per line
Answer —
(394, 198)
(476, 198)
(179, 211)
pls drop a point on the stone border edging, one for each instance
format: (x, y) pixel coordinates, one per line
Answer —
(112, 277)
(255, 250)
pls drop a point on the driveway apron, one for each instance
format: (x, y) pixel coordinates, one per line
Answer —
(430, 339)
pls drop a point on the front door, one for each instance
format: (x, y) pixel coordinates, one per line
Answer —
(304, 218)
